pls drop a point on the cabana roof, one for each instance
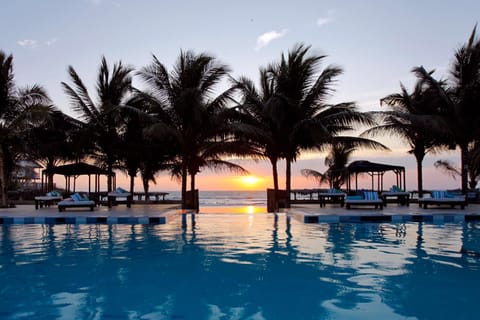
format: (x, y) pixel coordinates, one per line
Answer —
(367, 166)
(375, 170)
(76, 169)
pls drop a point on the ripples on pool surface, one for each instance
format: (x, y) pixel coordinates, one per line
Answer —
(240, 267)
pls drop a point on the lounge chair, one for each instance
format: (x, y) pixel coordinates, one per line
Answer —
(76, 201)
(401, 197)
(443, 197)
(333, 195)
(120, 196)
(367, 198)
(50, 198)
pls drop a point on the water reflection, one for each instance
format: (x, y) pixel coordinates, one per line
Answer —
(238, 267)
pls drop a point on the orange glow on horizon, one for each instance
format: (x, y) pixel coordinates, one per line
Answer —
(249, 182)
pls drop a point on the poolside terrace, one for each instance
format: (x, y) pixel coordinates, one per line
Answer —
(161, 213)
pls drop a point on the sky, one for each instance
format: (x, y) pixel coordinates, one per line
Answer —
(377, 43)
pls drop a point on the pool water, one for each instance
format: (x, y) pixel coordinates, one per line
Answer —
(240, 266)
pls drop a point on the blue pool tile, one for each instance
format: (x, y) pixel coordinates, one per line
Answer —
(352, 219)
(70, 220)
(39, 220)
(6, 220)
(112, 220)
(398, 218)
(80, 220)
(93, 220)
(472, 217)
(310, 219)
(127, 220)
(157, 220)
(49, 220)
(19, 220)
(29, 220)
(448, 218)
(97, 219)
(329, 219)
(143, 220)
(382, 218)
(439, 219)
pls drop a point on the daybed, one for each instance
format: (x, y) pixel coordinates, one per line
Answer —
(443, 197)
(364, 198)
(76, 201)
(333, 195)
(47, 200)
(401, 197)
(120, 196)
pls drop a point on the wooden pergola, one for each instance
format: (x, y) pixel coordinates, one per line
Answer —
(74, 170)
(376, 171)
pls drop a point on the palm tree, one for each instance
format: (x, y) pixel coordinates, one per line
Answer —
(58, 140)
(473, 169)
(308, 122)
(186, 110)
(336, 161)
(466, 92)
(459, 103)
(414, 118)
(103, 119)
(19, 108)
(257, 124)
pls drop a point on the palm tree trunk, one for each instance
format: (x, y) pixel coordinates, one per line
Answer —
(109, 177)
(194, 199)
(3, 189)
(288, 181)
(184, 186)
(419, 177)
(132, 184)
(275, 182)
(146, 188)
(192, 182)
(465, 160)
(50, 165)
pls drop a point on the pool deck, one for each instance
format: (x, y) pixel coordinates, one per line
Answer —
(307, 213)
(392, 212)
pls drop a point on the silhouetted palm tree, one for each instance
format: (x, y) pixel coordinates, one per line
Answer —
(466, 93)
(308, 122)
(103, 119)
(473, 168)
(19, 108)
(57, 140)
(414, 118)
(336, 161)
(186, 110)
(459, 102)
(257, 122)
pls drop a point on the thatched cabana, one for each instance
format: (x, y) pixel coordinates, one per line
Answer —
(376, 171)
(77, 169)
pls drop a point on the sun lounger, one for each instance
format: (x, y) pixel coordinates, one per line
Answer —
(47, 200)
(368, 198)
(442, 197)
(333, 196)
(76, 201)
(401, 197)
(120, 196)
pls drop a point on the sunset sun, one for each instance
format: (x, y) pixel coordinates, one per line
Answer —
(249, 181)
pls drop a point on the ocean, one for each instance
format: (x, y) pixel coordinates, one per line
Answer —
(226, 198)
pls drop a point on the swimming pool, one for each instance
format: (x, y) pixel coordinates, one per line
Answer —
(240, 266)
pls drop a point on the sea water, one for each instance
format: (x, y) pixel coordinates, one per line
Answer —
(226, 198)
